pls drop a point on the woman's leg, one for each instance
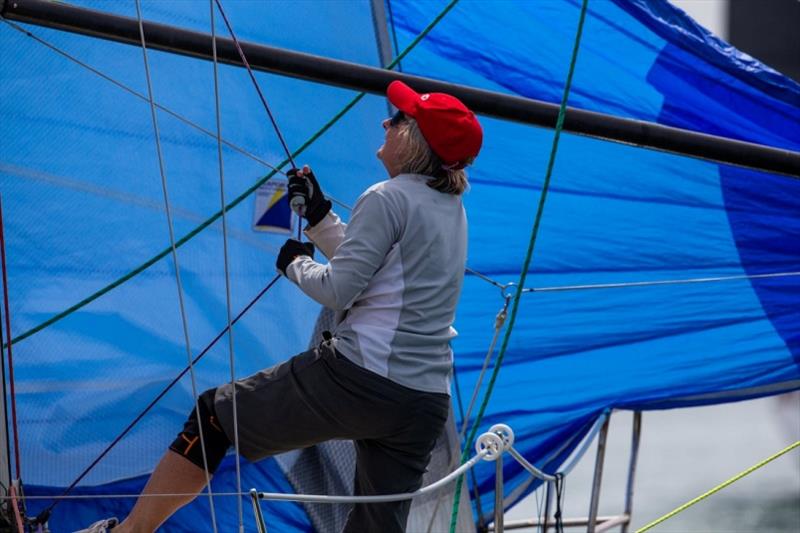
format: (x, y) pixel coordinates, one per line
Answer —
(174, 475)
(181, 471)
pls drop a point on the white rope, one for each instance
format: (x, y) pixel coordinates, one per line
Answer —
(184, 320)
(532, 470)
(499, 321)
(278, 496)
(490, 451)
(381, 498)
(490, 454)
(227, 269)
(490, 447)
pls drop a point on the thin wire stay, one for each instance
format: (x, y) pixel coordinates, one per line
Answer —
(228, 314)
(175, 262)
(255, 83)
(153, 403)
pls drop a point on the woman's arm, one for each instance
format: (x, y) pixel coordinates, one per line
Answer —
(367, 239)
(328, 234)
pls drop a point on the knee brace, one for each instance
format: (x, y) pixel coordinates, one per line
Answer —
(187, 443)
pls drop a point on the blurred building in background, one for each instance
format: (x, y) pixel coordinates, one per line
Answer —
(768, 30)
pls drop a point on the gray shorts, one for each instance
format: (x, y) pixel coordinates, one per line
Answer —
(321, 395)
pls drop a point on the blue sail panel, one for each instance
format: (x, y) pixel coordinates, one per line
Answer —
(618, 214)
(84, 207)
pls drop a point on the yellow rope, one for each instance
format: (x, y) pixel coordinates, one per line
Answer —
(718, 487)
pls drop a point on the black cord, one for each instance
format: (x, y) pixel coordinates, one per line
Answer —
(559, 483)
(45, 514)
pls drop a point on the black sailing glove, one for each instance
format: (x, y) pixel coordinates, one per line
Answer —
(305, 196)
(291, 250)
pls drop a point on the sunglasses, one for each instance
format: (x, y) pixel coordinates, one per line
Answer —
(397, 119)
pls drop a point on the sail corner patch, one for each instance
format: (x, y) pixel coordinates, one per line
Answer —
(272, 211)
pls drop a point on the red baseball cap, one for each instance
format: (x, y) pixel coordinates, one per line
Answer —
(451, 129)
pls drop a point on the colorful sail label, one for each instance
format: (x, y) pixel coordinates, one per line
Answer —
(272, 211)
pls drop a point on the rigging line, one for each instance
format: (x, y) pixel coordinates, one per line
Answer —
(162, 254)
(486, 278)
(500, 320)
(264, 102)
(7, 313)
(158, 397)
(176, 264)
(474, 272)
(485, 454)
(719, 487)
(498, 326)
(227, 269)
(236, 201)
(454, 463)
(161, 107)
(137, 94)
(529, 255)
(661, 282)
(394, 33)
(585, 441)
(126, 496)
(563, 288)
(255, 83)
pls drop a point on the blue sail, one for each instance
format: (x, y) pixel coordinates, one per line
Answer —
(83, 207)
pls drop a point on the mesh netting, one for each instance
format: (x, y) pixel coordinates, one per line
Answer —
(329, 468)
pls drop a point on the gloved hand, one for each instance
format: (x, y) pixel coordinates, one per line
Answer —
(291, 250)
(305, 195)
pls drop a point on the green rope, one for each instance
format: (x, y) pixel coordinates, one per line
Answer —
(526, 265)
(236, 201)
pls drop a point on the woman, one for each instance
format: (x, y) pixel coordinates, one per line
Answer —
(382, 378)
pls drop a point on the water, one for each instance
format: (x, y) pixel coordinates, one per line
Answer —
(684, 453)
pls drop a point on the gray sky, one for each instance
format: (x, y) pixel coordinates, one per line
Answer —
(712, 14)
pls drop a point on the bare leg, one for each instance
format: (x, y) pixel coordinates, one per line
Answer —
(173, 475)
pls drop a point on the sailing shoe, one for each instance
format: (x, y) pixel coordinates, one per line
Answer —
(101, 526)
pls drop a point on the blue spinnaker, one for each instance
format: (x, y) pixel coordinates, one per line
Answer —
(83, 206)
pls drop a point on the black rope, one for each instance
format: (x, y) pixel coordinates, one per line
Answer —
(45, 515)
(545, 514)
(263, 101)
(255, 83)
(559, 483)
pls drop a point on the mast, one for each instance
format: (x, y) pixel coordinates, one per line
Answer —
(374, 80)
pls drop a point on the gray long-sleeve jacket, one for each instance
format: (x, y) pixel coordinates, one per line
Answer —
(395, 271)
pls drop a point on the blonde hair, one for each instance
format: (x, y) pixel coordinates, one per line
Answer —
(418, 158)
